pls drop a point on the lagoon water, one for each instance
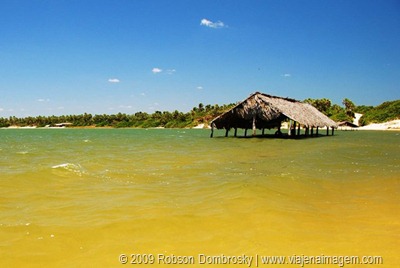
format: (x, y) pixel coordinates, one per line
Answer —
(82, 197)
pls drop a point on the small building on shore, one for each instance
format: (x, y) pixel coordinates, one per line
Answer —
(346, 125)
(262, 111)
(66, 124)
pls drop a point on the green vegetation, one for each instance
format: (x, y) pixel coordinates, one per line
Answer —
(389, 110)
(203, 114)
(175, 119)
(335, 112)
(386, 111)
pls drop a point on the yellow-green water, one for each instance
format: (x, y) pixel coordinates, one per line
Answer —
(80, 198)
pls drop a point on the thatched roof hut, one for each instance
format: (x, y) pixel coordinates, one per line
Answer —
(261, 111)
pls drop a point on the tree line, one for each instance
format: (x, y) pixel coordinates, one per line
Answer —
(203, 114)
(389, 110)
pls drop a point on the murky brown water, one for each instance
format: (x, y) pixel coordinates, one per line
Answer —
(80, 198)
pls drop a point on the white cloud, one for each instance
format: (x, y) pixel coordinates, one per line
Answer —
(286, 75)
(143, 94)
(200, 87)
(43, 100)
(215, 25)
(1, 109)
(113, 80)
(156, 70)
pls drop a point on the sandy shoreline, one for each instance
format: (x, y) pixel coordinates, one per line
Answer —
(393, 125)
(390, 125)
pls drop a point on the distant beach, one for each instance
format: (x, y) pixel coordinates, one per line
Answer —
(390, 125)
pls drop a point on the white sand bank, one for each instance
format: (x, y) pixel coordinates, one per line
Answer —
(391, 125)
(199, 126)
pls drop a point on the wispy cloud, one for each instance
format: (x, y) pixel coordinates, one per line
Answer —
(156, 70)
(125, 106)
(1, 109)
(170, 71)
(43, 100)
(211, 24)
(199, 87)
(286, 75)
(113, 80)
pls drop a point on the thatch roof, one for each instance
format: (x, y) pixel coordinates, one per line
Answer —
(269, 112)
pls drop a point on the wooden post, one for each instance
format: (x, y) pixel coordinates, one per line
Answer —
(212, 131)
(254, 125)
(307, 131)
(294, 128)
(263, 131)
(327, 131)
(298, 130)
(317, 131)
(235, 131)
(333, 130)
(312, 131)
(226, 132)
(245, 132)
(290, 127)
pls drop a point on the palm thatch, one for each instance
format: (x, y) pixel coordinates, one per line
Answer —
(266, 111)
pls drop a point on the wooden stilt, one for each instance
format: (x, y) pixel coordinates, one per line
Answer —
(294, 129)
(226, 132)
(327, 131)
(254, 125)
(245, 132)
(290, 128)
(278, 132)
(235, 131)
(212, 131)
(333, 130)
(312, 131)
(317, 131)
(263, 131)
(298, 130)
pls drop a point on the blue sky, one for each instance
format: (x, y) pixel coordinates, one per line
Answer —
(70, 57)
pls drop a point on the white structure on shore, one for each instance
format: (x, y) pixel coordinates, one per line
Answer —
(357, 117)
